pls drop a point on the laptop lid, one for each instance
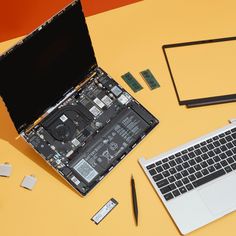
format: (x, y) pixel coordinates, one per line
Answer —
(37, 72)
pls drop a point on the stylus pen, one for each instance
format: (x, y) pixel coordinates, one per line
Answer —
(134, 199)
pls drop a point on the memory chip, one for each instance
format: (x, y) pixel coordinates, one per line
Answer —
(150, 79)
(132, 82)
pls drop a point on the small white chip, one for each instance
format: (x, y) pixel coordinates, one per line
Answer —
(5, 169)
(75, 142)
(107, 100)
(29, 182)
(123, 99)
(75, 180)
(116, 90)
(99, 102)
(95, 111)
(63, 118)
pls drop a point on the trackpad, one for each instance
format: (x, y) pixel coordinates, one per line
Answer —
(220, 196)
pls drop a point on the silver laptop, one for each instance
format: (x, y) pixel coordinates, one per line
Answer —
(196, 181)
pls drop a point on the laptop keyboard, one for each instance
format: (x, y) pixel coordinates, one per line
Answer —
(192, 167)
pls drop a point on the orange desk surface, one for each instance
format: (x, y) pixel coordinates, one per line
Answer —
(125, 39)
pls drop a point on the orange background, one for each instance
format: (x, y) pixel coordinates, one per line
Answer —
(18, 18)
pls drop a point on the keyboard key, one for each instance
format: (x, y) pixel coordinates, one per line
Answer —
(216, 143)
(216, 158)
(171, 157)
(222, 156)
(172, 163)
(184, 151)
(223, 148)
(209, 140)
(158, 177)
(217, 151)
(192, 177)
(217, 166)
(191, 154)
(229, 138)
(179, 183)
(185, 180)
(203, 143)
(211, 154)
(184, 173)
(197, 167)
(204, 164)
(192, 162)
(164, 160)
(189, 187)
(166, 173)
(178, 154)
(191, 170)
(228, 169)
(197, 146)
(178, 160)
(198, 159)
(190, 149)
(210, 162)
(162, 183)
(234, 135)
(204, 149)
(165, 190)
(186, 165)
(198, 174)
(205, 172)
(205, 156)
(158, 163)
(166, 166)
(185, 157)
(222, 135)
(152, 172)
(178, 176)
(182, 189)
(159, 169)
(198, 152)
(233, 130)
(171, 179)
(229, 145)
(210, 146)
(168, 196)
(222, 141)
(172, 187)
(230, 160)
(172, 170)
(229, 153)
(224, 163)
(176, 193)
(234, 150)
(233, 166)
(211, 168)
(208, 178)
(179, 168)
(150, 166)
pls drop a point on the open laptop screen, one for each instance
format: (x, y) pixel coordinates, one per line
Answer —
(47, 64)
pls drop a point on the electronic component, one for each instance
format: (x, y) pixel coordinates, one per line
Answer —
(91, 131)
(104, 211)
(29, 182)
(132, 82)
(149, 79)
(5, 169)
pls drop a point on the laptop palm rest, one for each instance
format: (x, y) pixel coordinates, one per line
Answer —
(220, 196)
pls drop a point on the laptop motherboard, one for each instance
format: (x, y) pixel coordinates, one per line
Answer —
(91, 131)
